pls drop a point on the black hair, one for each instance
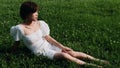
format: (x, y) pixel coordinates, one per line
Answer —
(27, 8)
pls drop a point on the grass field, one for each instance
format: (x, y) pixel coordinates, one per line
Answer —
(90, 26)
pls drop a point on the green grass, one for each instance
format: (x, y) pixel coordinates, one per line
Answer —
(90, 26)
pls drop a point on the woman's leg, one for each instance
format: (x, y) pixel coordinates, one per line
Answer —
(81, 55)
(63, 55)
(71, 58)
(86, 56)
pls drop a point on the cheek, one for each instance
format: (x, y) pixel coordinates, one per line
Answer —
(35, 16)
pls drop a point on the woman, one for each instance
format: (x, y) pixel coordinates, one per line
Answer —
(36, 36)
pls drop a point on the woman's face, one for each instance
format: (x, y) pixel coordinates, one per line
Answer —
(33, 16)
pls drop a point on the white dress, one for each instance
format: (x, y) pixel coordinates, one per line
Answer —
(36, 41)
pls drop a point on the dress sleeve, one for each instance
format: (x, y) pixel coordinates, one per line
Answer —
(45, 28)
(15, 32)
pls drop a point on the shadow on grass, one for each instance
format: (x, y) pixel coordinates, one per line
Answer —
(9, 50)
(22, 54)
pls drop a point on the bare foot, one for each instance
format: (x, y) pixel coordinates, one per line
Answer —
(93, 65)
(105, 62)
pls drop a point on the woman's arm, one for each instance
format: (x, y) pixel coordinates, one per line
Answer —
(56, 43)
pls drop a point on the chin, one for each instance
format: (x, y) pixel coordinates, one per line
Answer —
(35, 19)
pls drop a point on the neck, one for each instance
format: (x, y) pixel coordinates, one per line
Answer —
(29, 22)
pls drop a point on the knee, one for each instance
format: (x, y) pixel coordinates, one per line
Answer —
(73, 54)
(64, 54)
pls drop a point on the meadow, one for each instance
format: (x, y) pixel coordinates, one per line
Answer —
(90, 26)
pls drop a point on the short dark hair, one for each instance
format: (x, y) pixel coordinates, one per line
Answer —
(27, 8)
